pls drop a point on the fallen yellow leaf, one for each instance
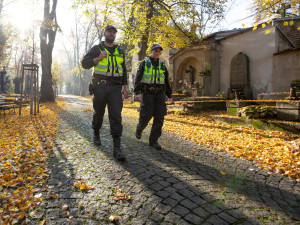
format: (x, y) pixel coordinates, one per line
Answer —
(54, 196)
(223, 173)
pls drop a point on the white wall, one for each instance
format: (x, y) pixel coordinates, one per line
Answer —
(259, 47)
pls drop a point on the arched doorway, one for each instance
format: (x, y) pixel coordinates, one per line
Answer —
(193, 77)
(188, 75)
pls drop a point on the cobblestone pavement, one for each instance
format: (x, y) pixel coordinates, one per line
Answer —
(180, 184)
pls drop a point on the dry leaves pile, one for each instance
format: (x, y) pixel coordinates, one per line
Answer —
(83, 186)
(87, 110)
(271, 150)
(25, 144)
(119, 195)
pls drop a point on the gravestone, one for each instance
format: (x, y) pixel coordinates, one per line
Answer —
(28, 84)
(17, 82)
(2, 80)
(239, 75)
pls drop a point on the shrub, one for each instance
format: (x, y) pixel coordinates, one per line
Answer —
(220, 94)
(258, 111)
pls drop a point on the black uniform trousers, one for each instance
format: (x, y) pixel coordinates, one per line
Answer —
(153, 105)
(110, 95)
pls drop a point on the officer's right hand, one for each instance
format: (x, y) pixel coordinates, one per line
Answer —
(101, 56)
(138, 98)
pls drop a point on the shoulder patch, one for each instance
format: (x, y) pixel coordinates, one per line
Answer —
(162, 64)
(148, 64)
(120, 49)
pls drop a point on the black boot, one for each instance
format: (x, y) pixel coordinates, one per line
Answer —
(97, 140)
(138, 133)
(118, 154)
(155, 145)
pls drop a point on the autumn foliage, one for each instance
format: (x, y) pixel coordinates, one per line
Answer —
(25, 144)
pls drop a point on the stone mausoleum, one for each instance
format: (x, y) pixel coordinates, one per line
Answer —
(246, 61)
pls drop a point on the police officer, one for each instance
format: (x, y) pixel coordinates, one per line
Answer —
(109, 86)
(151, 86)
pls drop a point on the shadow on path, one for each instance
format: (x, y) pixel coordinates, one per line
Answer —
(190, 189)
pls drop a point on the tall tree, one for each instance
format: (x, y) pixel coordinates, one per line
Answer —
(172, 23)
(48, 31)
(149, 12)
(2, 36)
(1, 6)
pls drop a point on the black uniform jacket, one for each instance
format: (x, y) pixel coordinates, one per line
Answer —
(88, 63)
(138, 86)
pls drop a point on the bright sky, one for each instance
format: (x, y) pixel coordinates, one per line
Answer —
(12, 12)
(235, 17)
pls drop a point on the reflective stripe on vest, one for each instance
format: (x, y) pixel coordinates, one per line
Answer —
(149, 74)
(111, 65)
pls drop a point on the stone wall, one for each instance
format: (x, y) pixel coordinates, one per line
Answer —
(286, 67)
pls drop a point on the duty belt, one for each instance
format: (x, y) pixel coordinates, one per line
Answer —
(102, 82)
(105, 80)
(154, 90)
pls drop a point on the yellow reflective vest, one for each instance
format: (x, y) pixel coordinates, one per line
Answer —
(152, 75)
(111, 65)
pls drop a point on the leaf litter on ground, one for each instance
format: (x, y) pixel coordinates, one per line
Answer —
(271, 150)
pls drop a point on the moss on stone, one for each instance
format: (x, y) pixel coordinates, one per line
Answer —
(257, 124)
(232, 111)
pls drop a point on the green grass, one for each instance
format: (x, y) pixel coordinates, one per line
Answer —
(266, 219)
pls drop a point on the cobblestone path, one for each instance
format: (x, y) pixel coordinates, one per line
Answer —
(180, 184)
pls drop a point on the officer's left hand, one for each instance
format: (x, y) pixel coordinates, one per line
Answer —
(170, 101)
(124, 93)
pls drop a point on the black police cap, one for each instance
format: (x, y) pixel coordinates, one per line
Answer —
(156, 46)
(110, 27)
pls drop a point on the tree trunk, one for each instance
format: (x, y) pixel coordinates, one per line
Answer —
(2, 37)
(1, 6)
(47, 38)
(130, 28)
(145, 37)
(78, 64)
(2, 43)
